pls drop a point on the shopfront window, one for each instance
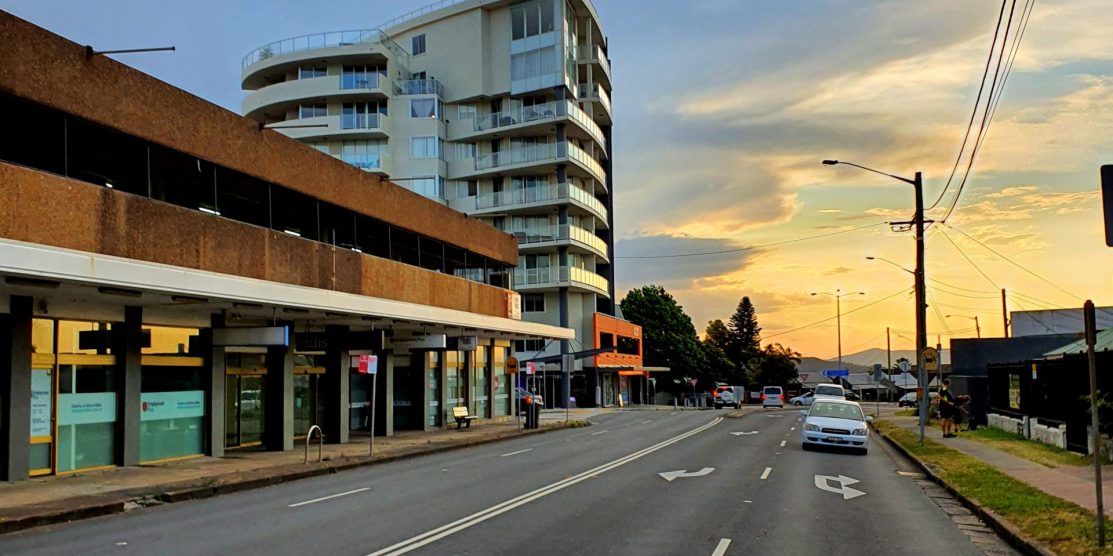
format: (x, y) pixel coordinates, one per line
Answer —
(308, 411)
(432, 374)
(455, 382)
(172, 399)
(480, 382)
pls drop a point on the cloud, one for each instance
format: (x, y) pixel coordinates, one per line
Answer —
(1011, 192)
(681, 271)
(829, 211)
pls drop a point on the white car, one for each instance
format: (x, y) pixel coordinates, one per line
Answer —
(836, 423)
(772, 396)
(805, 399)
(830, 392)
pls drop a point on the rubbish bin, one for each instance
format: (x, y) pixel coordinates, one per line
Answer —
(533, 416)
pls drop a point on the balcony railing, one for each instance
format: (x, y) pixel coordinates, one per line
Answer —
(558, 232)
(538, 113)
(540, 153)
(593, 91)
(553, 276)
(594, 54)
(350, 81)
(323, 40)
(364, 162)
(418, 87)
(541, 194)
(360, 121)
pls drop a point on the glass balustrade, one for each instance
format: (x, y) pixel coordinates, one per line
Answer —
(359, 121)
(546, 193)
(553, 276)
(324, 40)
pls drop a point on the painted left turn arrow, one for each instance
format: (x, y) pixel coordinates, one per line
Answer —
(744, 433)
(670, 475)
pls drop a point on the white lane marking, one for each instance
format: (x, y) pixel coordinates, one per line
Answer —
(771, 416)
(329, 497)
(483, 515)
(800, 419)
(765, 474)
(646, 421)
(792, 429)
(744, 433)
(674, 413)
(671, 475)
(721, 548)
(598, 433)
(783, 443)
(518, 452)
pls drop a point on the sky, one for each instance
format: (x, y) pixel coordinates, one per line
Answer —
(723, 111)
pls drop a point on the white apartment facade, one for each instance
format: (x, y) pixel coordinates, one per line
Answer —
(498, 109)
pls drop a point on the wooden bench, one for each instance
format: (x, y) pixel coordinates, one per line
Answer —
(460, 413)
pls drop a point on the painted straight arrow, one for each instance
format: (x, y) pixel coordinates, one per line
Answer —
(744, 433)
(671, 475)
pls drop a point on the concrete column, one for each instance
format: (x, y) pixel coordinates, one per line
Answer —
(443, 409)
(384, 398)
(213, 382)
(127, 346)
(15, 389)
(335, 387)
(278, 418)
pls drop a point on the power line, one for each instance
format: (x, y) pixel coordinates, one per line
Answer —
(752, 247)
(854, 310)
(961, 289)
(1026, 14)
(1012, 262)
(974, 112)
(966, 296)
(984, 126)
(969, 260)
(938, 313)
(970, 309)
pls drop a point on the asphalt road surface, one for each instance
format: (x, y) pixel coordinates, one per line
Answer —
(593, 490)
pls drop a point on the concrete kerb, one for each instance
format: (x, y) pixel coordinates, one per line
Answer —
(281, 474)
(1013, 535)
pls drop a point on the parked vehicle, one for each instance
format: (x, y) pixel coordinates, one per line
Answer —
(830, 392)
(909, 399)
(772, 396)
(805, 399)
(527, 398)
(853, 396)
(840, 423)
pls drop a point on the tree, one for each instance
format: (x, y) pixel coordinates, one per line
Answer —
(718, 334)
(776, 366)
(744, 336)
(720, 367)
(668, 335)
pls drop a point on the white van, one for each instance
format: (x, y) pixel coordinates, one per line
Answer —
(772, 396)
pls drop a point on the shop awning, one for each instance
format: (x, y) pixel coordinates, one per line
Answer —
(631, 370)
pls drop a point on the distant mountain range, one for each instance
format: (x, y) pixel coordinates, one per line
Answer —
(862, 361)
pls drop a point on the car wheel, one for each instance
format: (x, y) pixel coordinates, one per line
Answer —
(863, 451)
(805, 446)
(797, 404)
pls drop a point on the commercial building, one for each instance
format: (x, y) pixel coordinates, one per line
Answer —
(177, 280)
(1056, 321)
(500, 110)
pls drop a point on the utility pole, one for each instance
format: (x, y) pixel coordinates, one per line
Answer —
(838, 322)
(921, 303)
(888, 355)
(1004, 313)
(978, 327)
(1090, 320)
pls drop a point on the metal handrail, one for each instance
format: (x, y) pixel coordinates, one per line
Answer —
(320, 442)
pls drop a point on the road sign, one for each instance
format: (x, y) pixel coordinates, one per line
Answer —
(823, 482)
(804, 377)
(877, 376)
(531, 368)
(368, 364)
(931, 359)
(1107, 201)
(904, 366)
(836, 372)
(511, 365)
(671, 475)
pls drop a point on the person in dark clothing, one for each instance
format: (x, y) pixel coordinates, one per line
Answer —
(947, 409)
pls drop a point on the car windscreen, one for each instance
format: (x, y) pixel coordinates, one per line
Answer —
(836, 411)
(828, 391)
(773, 390)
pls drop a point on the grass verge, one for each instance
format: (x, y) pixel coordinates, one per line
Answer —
(1019, 446)
(1066, 528)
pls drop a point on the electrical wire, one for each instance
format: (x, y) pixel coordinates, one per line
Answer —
(971, 309)
(974, 112)
(938, 313)
(965, 295)
(1026, 14)
(752, 247)
(969, 260)
(962, 289)
(844, 313)
(1012, 262)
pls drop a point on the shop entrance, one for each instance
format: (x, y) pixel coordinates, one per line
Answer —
(308, 409)
(245, 375)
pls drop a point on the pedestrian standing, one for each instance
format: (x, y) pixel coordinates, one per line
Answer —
(946, 409)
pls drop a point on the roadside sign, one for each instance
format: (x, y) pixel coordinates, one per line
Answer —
(904, 366)
(369, 364)
(1107, 201)
(931, 359)
(531, 368)
(803, 377)
(836, 373)
(877, 376)
(511, 365)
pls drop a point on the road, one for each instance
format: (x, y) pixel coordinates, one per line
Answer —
(593, 490)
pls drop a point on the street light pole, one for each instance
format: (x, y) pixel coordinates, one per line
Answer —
(921, 292)
(838, 295)
(977, 325)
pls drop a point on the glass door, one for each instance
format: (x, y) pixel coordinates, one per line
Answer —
(432, 377)
(251, 410)
(42, 418)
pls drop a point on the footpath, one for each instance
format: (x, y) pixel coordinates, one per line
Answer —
(1071, 483)
(47, 500)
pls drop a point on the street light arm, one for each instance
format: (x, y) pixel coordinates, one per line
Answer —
(835, 162)
(890, 262)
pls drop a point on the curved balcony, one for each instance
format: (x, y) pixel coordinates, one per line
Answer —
(535, 197)
(343, 88)
(530, 159)
(336, 46)
(576, 238)
(593, 54)
(349, 126)
(596, 94)
(526, 121)
(533, 279)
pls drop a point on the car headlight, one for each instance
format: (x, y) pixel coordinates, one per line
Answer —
(861, 432)
(810, 427)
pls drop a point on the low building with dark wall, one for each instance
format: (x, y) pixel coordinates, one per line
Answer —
(176, 281)
(970, 359)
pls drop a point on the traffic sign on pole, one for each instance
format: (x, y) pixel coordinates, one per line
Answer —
(836, 373)
(931, 359)
(512, 365)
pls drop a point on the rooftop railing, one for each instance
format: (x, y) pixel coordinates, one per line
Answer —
(315, 41)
